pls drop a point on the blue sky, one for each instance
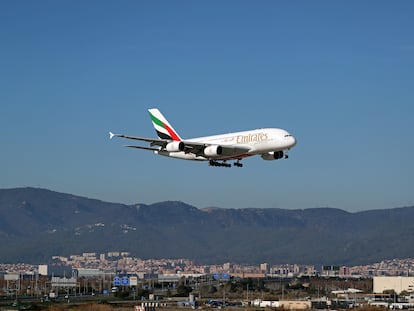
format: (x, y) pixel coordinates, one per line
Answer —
(339, 75)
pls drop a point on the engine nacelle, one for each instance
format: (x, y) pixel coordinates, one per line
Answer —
(274, 155)
(213, 151)
(175, 146)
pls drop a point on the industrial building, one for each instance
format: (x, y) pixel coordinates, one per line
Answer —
(396, 283)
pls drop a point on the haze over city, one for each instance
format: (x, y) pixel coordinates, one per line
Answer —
(337, 75)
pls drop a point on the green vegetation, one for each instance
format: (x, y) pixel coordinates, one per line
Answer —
(56, 223)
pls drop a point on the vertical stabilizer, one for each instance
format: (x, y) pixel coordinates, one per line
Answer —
(162, 126)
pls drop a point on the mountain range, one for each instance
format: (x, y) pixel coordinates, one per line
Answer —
(36, 224)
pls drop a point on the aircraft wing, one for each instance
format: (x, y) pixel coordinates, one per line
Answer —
(228, 150)
(196, 148)
(234, 150)
(152, 141)
(141, 147)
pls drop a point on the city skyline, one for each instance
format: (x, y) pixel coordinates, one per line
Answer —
(121, 263)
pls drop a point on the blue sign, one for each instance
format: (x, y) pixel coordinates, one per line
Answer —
(125, 281)
(117, 281)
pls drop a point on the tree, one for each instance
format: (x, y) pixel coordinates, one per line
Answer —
(183, 291)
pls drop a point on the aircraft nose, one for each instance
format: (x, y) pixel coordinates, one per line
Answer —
(293, 141)
(289, 141)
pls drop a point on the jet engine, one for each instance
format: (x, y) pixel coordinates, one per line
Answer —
(274, 155)
(213, 151)
(175, 146)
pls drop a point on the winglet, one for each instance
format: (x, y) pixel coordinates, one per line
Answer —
(111, 135)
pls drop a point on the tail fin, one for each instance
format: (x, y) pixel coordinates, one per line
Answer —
(162, 127)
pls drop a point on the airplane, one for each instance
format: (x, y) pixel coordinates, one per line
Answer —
(269, 143)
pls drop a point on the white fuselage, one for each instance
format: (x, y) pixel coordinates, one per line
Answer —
(260, 141)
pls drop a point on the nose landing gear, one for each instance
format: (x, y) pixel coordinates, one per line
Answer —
(238, 164)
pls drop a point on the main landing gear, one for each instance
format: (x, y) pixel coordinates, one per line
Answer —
(224, 164)
(217, 163)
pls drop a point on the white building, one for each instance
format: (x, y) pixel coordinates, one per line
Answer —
(264, 267)
(43, 269)
(396, 283)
